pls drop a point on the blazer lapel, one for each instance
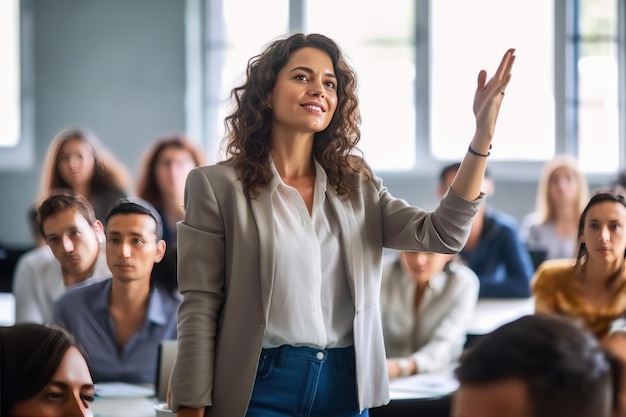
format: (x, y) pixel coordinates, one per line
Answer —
(263, 215)
(351, 244)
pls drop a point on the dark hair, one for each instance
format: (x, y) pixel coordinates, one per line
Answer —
(565, 370)
(63, 200)
(136, 206)
(30, 354)
(600, 197)
(247, 140)
(453, 168)
(147, 187)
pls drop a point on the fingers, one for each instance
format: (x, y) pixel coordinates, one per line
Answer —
(506, 64)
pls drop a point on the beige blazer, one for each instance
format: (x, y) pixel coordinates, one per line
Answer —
(226, 274)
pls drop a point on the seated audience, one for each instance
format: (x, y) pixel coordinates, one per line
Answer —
(76, 159)
(42, 373)
(561, 197)
(493, 250)
(426, 301)
(162, 179)
(537, 366)
(73, 255)
(121, 321)
(592, 288)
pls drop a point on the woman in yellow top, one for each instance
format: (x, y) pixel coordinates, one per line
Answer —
(592, 290)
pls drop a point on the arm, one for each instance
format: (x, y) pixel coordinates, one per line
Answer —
(201, 253)
(487, 101)
(543, 290)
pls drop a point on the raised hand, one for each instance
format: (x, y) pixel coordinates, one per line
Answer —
(489, 94)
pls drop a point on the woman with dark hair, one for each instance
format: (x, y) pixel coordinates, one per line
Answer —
(42, 373)
(591, 289)
(280, 250)
(162, 179)
(76, 160)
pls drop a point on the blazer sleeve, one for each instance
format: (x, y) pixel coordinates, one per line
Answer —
(201, 276)
(444, 229)
(446, 344)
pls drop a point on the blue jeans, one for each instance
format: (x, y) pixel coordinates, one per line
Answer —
(305, 382)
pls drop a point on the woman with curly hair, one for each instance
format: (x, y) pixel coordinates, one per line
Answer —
(281, 246)
(76, 160)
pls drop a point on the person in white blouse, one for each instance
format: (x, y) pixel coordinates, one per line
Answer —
(551, 231)
(427, 300)
(280, 250)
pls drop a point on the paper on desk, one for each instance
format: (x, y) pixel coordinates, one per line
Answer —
(122, 390)
(423, 386)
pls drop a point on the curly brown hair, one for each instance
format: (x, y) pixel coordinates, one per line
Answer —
(147, 187)
(248, 127)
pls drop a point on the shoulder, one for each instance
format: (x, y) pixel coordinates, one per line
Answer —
(461, 275)
(215, 176)
(503, 219)
(551, 272)
(83, 294)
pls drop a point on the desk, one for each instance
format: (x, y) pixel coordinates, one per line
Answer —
(7, 309)
(423, 395)
(492, 313)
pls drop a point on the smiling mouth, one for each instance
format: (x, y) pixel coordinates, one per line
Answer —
(314, 107)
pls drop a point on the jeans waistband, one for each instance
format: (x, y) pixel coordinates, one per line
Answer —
(337, 355)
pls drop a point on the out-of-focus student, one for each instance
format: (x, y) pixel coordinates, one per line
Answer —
(427, 300)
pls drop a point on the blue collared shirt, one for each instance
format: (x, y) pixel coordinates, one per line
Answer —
(84, 312)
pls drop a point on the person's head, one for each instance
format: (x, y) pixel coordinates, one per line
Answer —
(134, 242)
(165, 168)
(42, 373)
(602, 230)
(77, 160)
(300, 83)
(448, 173)
(536, 366)
(422, 266)
(561, 183)
(67, 222)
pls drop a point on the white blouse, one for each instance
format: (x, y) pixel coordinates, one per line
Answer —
(311, 303)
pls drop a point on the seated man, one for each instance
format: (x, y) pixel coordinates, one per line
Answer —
(69, 227)
(537, 366)
(121, 321)
(427, 300)
(494, 250)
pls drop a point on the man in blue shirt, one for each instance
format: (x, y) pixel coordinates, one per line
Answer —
(493, 250)
(121, 321)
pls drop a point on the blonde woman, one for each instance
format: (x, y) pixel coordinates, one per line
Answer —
(561, 197)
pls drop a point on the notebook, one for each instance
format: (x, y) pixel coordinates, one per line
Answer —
(165, 362)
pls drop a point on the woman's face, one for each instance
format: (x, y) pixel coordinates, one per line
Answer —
(563, 186)
(604, 232)
(76, 163)
(304, 98)
(68, 394)
(171, 169)
(422, 266)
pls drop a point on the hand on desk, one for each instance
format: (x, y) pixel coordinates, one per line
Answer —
(395, 369)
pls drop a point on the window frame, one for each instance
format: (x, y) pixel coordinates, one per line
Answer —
(21, 156)
(565, 26)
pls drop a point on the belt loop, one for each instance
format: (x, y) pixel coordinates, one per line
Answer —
(282, 354)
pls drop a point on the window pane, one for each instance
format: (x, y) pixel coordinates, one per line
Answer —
(467, 36)
(245, 38)
(598, 117)
(379, 43)
(9, 73)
